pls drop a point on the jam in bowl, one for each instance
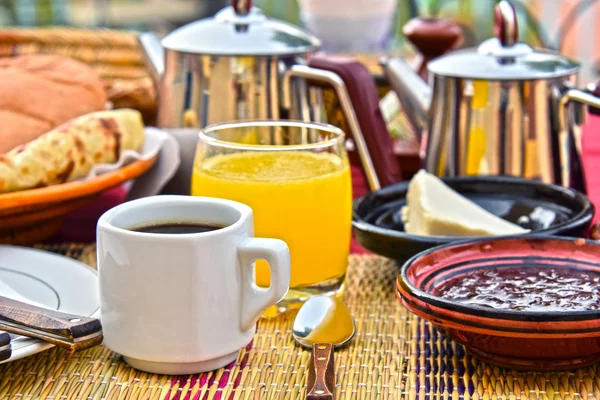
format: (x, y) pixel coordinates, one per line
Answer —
(525, 289)
(526, 302)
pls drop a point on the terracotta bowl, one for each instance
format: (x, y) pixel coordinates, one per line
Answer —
(526, 340)
(32, 216)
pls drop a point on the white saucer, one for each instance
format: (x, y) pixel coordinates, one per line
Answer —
(56, 281)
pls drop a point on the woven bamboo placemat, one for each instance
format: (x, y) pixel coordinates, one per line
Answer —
(393, 356)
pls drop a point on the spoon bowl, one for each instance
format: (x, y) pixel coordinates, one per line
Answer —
(323, 319)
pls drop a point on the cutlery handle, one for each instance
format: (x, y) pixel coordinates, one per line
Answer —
(321, 374)
(71, 332)
(5, 350)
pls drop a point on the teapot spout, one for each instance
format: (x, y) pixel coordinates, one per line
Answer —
(414, 93)
(153, 55)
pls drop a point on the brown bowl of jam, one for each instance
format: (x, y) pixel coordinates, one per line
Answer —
(521, 302)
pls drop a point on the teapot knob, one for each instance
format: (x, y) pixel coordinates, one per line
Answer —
(505, 23)
(241, 7)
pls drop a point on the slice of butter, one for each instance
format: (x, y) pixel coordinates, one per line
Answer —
(434, 209)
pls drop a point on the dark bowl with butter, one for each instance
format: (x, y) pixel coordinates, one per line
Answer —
(544, 209)
(521, 302)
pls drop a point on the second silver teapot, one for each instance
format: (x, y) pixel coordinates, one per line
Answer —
(502, 108)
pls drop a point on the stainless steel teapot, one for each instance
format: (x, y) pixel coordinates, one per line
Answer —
(241, 65)
(502, 108)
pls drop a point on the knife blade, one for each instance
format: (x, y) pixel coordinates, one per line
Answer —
(5, 349)
(68, 331)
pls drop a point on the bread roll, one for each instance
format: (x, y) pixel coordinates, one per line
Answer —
(70, 151)
(39, 92)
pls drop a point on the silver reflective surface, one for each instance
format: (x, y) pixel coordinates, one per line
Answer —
(323, 319)
(199, 90)
(250, 34)
(493, 61)
(479, 127)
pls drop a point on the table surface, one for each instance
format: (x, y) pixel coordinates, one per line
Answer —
(394, 355)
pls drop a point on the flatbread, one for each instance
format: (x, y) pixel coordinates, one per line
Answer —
(71, 150)
(42, 91)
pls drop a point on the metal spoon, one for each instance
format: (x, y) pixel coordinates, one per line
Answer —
(321, 324)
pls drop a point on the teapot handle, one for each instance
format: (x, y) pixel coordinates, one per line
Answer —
(593, 89)
(564, 121)
(359, 101)
(578, 96)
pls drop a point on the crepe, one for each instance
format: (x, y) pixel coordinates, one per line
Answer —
(71, 150)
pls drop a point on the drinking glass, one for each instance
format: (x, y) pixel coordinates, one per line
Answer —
(296, 178)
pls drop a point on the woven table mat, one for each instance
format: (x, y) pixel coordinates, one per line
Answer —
(394, 355)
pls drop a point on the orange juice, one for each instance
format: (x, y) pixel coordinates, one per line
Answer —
(300, 197)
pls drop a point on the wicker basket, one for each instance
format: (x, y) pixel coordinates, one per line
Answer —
(115, 55)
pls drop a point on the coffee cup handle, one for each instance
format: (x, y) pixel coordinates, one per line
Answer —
(256, 299)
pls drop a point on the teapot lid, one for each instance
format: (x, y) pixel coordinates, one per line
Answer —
(502, 57)
(241, 30)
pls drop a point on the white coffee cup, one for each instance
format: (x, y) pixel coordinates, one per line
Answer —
(183, 303)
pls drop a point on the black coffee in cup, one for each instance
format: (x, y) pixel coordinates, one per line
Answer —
(177, 228)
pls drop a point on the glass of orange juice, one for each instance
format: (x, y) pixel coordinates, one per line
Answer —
(296, 178)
